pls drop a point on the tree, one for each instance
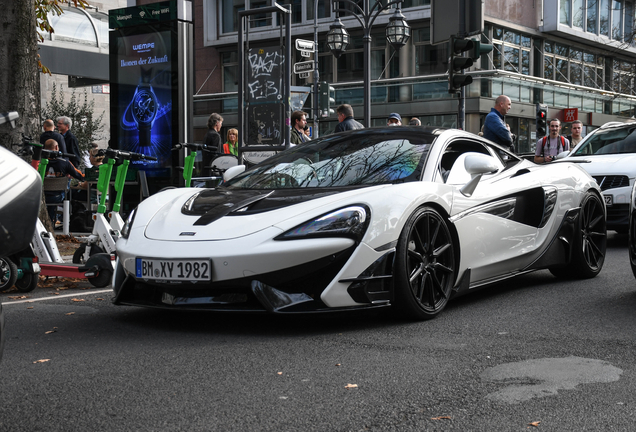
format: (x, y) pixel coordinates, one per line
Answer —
(85, 127)
(20, 67)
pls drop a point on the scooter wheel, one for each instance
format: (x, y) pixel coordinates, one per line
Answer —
(105, 276)
(78, 256)
(8, 273)
(28, 282)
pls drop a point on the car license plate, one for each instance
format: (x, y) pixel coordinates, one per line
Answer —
(183, 270)
(609, 200)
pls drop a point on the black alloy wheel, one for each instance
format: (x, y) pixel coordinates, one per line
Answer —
(590, 242)
(425, 267)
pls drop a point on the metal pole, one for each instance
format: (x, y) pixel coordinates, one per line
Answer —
(242, 137)
(461, 106)
(367, 66)
(316, 73)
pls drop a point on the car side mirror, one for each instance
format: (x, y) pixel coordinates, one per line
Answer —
(476, 165)
(233, 172)
(562, 155)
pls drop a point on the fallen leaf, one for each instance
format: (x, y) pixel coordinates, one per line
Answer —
(18, 297)
(441, 418)
(338, 364)
(279, 373)
(77, 300)
(99, 298)
(54, 293)
(49, 332)
(70, 313)
(62, 288)
(350, 386)
(30, 307)
(535, 424)
(41, 361)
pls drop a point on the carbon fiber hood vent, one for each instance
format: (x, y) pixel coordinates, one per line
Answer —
(213, 204)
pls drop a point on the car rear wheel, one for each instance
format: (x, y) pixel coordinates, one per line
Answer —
(631, 247)
(424, 266)
(590, 242)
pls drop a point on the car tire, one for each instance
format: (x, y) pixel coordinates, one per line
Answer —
(425, 266)
(590, 242)
(8, 273)
(78, 255)
(631, 246)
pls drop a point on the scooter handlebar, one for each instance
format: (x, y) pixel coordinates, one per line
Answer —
(120, 154)
(194, 147)
(52, 154)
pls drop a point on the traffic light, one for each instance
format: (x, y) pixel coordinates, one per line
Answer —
(326, 99)
(479, 48)
(542, 117)
(456, 79)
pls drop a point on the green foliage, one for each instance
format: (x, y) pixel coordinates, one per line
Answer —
(86, 126)
(42, 10)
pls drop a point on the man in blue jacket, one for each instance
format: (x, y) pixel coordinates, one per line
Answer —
(495, 128)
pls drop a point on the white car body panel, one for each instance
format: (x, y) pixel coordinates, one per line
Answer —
(490, 245)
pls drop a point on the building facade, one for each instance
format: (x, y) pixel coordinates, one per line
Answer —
(564, 53)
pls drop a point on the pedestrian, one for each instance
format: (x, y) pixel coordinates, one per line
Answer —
(298, 121)
(49, 132)
(212, 137)
(64, 125)
(495, 128)
(415, 122)
(231, 145)
(58, 167)
(549, 147)
(87, 155)
(575, 138)
(346, 120)
(394, 120)
(307, 134)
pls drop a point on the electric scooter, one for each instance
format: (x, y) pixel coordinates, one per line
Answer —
(217, 166)
(106, 233)
(43, 256)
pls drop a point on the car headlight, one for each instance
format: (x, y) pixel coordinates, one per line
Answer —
(125, 231)
(347, 222)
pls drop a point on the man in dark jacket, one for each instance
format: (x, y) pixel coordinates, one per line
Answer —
(58, 167)
(345, 117)
(495, 128)
(49, 133)
(64, 125)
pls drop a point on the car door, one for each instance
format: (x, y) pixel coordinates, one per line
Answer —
(498, 221)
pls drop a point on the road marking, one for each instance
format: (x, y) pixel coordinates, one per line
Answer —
(56, 297)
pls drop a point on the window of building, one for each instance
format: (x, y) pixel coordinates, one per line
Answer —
(623, 79)
(571, 65)
(429, 59)
(511, 51)
(230, 71)
(611, 18)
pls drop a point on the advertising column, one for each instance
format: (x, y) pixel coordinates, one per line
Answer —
(149, 110)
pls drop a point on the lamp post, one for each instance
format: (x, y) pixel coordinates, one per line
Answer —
(398, 33)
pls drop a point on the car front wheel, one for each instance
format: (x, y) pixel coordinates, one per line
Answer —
(424, 265)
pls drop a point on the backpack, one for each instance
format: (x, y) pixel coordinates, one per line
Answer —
(545, 139)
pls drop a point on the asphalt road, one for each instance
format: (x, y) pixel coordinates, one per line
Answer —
(530, 354)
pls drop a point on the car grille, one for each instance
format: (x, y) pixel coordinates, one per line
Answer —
(611, 181)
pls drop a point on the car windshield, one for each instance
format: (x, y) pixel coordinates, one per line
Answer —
(611, 141)
(367, 158)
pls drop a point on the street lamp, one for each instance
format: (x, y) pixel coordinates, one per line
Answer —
(398, 33)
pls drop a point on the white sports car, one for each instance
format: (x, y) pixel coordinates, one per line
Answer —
(405, 217)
